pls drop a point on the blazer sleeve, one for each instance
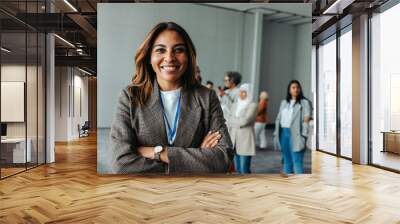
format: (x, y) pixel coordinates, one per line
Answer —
(210, 160)
(278, 120)
(124, 144)
(306, 113)
(248, 118)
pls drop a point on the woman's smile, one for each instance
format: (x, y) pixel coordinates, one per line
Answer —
(170, 68)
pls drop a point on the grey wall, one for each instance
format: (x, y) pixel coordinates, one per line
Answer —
(277, 65)
(122, 27)
(286, 55)
(302, 71)
(248, 42)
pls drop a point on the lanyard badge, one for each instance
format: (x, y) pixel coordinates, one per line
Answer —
(172, 130)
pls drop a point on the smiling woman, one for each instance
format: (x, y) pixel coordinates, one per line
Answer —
(165, 121)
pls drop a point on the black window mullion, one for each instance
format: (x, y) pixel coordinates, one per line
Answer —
(26, 87)
(37, 90)
(317, 97)
(338, 98)
(369, 78)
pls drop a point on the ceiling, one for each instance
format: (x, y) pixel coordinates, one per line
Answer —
(296, 8)
(76, 22)
(291, 14)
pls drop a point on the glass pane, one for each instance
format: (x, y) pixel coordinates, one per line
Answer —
(41, 98)
(385, 86)
(327, 96)
(313, 94)
(346, 94)
(31, 97)
(13, 87)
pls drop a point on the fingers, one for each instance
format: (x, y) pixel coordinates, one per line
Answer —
(205, 140)
(214, 143)
(214, 137)
(211, 140)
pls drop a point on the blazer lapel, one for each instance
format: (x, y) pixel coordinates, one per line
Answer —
(189, 119)
(153, 117)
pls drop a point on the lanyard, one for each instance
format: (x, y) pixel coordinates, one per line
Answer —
(172, 132)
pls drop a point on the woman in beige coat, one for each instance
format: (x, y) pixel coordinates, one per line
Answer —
(241, 129)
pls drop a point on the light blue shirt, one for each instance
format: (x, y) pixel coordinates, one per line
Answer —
(287, 114)
(170, 102)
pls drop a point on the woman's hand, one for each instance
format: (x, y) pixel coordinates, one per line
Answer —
(211, 140)
(148, 152)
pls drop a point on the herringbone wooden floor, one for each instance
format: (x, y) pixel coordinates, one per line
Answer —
(70, 191)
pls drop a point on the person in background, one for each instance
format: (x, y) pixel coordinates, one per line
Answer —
(197, 75)
(230, 93)
(210, 85)
(241, 129)
(261, 121)
(291, 128)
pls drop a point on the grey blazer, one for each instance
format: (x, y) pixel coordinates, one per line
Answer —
(135, 126)
(299, 129)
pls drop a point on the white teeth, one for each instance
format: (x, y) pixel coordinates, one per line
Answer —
(169, 67)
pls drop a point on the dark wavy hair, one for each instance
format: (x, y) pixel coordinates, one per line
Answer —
(141, 86)
(299, 97)
(234, 77)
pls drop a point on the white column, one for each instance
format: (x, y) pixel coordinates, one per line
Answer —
(360, 90)
(256, 53)
(50, 92)
(50, 101)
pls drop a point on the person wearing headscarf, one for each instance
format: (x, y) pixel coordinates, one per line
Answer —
(241, 129)
(261, 121)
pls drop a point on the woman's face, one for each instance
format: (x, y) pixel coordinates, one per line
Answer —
(169, 56)
(243, 94)
(227, 82)
(294, 90)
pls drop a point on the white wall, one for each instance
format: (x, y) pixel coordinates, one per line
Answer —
(33, 125)
(17, 72)
(61, 103)
(217, 35)
(67, 80)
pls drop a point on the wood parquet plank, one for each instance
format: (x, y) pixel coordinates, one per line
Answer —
(70, 191)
